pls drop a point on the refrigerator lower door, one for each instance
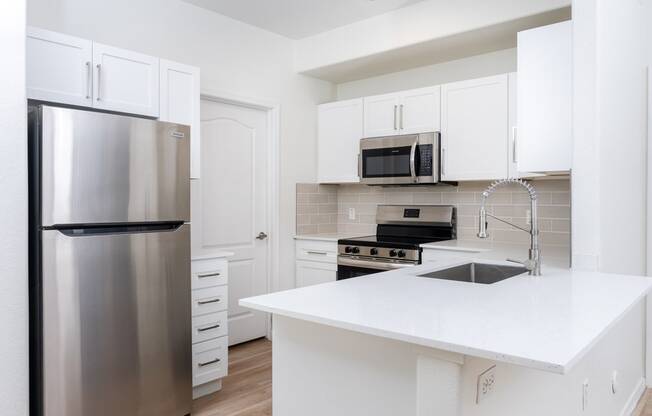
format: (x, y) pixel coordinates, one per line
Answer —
(116, 331)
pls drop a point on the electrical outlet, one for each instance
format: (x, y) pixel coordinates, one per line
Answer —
(585, 395)
(486, 383)
(614, 382)
(351, 213)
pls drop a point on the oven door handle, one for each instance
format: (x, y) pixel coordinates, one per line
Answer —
(413, 156)
(368, 264)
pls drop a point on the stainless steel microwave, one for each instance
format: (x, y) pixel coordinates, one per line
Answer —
(400, 160)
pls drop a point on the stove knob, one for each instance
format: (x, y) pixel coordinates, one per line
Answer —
(355, 250)
(347, 249)
(373, 251)
(401, 253)
(392, 253)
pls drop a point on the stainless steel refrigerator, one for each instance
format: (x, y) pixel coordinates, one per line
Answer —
(109, 265)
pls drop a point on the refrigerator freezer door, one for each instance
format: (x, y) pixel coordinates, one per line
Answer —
(116, 324)
(105, 168)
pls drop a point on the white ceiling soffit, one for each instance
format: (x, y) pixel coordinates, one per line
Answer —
(297, 19)
(476, 42)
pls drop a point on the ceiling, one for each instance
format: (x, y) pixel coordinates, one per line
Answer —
(298, 19)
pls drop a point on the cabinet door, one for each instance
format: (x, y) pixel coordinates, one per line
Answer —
(340, 131)
(310, 273)
(420, 110)
(59, 68)
(544, 98)
(381, 115)
(125, 81)
(475, 129)
(180, 97)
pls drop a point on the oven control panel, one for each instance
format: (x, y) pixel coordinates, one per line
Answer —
(380, 252)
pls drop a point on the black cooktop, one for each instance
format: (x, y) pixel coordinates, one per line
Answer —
(391, 241)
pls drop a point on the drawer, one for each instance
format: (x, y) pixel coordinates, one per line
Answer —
(210, 360)
(209, 272)
(209, 300)
(207, 327)
(321, 251)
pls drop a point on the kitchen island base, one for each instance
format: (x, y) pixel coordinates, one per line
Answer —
(321, 370)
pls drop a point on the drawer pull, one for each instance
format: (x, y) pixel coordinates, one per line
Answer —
(205, 302)
(202, 276)
(321, 253)
(217, 360)
(208, 328)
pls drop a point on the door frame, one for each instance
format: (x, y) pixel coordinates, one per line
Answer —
(273, 110)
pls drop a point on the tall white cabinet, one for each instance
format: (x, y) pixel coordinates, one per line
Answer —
(404, 112)
(179, 103)
(544, 136)
(339, 134)
(475, 129)
(68, 70)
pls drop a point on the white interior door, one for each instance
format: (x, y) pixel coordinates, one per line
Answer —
(230, 206)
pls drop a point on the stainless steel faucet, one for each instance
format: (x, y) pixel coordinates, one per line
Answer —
(533, 264)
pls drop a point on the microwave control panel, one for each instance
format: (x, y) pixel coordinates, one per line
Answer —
(425, 160)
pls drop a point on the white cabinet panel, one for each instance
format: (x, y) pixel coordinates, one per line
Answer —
(544, 137)
(209, 300)
(420, 110)
(340, 131)
(59, 68)
(209, 360)
(475, 129)
(381, 115)
(310, 273)
(179, 103)
(125, 81)
(209, 272)
(211, 326)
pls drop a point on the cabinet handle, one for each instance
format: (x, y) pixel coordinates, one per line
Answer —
(204, 364)
(88, 80)
(323, 253)
(515, 149)
(206, 302)
(359, 166)
(401, 123)
(208, 328)
(205, 275)
(395, 108)
(443, 161)
(99, 80)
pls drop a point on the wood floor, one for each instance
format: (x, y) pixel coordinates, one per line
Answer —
(247, 390)
(644, 407)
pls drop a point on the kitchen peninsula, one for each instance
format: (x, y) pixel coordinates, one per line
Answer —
(396, 343)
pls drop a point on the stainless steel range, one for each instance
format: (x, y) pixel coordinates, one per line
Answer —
(400, 231)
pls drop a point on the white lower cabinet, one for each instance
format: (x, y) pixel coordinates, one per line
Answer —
(210, 342)
(316, 262)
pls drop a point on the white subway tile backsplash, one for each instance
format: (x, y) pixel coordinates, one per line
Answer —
(325, 208)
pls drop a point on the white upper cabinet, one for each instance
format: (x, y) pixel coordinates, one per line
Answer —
(340, 131)
(59, 68)
(420, 110)
(381, 115)
(544, 136)
(125, 81)
(475, 129)
(179, 103)
(404, 112)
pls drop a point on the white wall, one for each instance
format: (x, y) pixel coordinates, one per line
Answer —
(478, 66)
(234, 58)
(13, 206)
(610, 133)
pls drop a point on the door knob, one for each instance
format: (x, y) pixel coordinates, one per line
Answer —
(261, 236)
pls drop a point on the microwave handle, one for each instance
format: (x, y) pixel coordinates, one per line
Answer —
(413, 154)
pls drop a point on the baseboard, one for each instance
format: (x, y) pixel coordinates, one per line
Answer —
(633, 399)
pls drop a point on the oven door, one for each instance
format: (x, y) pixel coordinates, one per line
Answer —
(350, 267)
(394, 160)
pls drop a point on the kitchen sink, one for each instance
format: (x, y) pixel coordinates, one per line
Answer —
(477, 273)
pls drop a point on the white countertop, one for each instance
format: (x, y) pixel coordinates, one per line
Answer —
(326, 237)
(546, 322)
